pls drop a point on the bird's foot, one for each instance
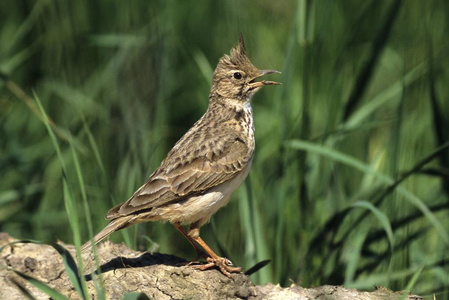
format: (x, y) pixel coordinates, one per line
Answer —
(225, 265)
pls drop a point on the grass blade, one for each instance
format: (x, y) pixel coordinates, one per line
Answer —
(383, 219)
(21, 242)
(135, 296)
(71, 269)
(42, 286)
(71, 209)
(98, 285)
(257, 267)
(367, 71)
(354, 257)
(440, 124)
(363, 167)
(21, 288)
(412, 282)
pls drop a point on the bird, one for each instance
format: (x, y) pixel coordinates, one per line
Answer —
(205, 166)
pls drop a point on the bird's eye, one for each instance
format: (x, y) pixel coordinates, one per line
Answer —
(237, 75)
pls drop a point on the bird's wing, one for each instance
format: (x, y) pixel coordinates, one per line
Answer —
(189, 169)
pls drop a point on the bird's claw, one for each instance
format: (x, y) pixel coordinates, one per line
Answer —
(225, 265)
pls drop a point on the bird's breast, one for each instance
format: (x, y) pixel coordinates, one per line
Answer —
(247, 126)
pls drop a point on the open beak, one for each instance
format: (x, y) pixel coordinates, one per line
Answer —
(255, 84)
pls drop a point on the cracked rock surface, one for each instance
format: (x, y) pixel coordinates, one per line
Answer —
(158, 276)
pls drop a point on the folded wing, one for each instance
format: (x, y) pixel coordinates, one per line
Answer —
(189, 172)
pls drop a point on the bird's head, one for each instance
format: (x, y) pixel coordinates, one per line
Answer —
(235, 76)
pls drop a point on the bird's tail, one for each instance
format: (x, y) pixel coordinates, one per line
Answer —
(116, 224)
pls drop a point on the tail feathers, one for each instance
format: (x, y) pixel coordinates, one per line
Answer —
(116, 224)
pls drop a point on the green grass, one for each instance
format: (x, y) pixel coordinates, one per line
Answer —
(350, 180)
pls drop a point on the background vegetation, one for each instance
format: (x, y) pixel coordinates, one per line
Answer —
(350, 183)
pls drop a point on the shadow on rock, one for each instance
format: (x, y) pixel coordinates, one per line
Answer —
(144, 260)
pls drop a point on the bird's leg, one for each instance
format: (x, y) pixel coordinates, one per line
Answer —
(224, 264)
(199, 250)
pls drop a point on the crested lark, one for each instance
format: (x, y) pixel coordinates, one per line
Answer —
(205, 166)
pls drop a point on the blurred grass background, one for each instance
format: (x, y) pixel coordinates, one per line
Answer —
(350, 183)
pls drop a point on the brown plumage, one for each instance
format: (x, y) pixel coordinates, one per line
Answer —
(205, 166)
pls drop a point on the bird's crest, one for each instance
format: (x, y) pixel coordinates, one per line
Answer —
(238, 53)
(237, 60)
